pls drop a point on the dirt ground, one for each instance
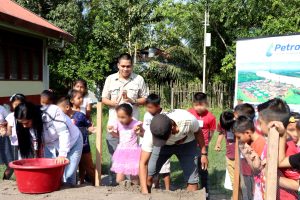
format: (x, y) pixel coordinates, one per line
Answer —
(8, 190)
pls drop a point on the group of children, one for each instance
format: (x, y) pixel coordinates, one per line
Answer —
(125, 161)
(57, 128)
(61, 131)
(53, 132)
(252, 130)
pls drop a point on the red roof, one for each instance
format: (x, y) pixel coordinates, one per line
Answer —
(13, 14)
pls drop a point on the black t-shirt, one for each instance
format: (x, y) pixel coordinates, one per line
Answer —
(295, 161)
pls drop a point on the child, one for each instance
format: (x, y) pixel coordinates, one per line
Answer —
(85, 107)
(47, 97)
(153, 108)
(207, 122)
(292, 148)
(5, 146)
(291, 128)
(288, 150)
(15, 100)
(244, 109)
(77, 98)
(61, 139)
(240, 110)
(127, 155)
(244, 130)
(247, 184)
(29, 129)
(225, 129)
(271, 113)
(86, 165)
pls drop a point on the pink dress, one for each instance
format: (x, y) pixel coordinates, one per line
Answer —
(127, 155)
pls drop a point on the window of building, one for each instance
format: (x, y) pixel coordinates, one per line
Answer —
(21, 57)
(2, 64)
(25, 60)
(13, 63)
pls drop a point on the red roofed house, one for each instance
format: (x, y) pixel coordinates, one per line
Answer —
(23, 51)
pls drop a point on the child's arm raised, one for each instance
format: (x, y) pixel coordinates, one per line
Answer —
(251, 157)
(282, 161)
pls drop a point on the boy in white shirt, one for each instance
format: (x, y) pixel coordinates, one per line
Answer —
(153, 108)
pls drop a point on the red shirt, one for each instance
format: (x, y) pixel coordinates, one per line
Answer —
(291, 149)
(207, 122)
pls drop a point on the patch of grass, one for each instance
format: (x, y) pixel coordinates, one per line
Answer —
(2, 168)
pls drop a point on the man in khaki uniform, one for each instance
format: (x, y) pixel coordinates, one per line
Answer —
(122, 87)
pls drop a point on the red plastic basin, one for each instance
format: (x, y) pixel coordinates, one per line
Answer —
(38, 175)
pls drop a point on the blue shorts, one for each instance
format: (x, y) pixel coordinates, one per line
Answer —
(187, 155)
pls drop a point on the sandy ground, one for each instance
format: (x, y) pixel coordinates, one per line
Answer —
(8, 190)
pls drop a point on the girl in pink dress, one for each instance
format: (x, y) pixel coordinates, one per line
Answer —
(125, 160)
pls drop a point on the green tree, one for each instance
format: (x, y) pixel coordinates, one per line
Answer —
(105, 28)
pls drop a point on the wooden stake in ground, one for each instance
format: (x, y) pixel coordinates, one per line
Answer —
(98, 145)
(272, 164)
(236, 184)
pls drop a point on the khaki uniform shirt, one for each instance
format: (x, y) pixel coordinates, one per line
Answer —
(114, 87)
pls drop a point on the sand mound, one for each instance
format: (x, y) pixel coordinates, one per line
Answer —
(8, 190)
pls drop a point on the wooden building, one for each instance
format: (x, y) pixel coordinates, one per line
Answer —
(23, 51)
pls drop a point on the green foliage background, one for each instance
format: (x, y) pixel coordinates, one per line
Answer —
(105, 28)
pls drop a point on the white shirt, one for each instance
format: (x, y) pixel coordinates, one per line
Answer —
(86, 101)
(60, 134)
(187, 124)
(147, 120)
(11, 121)
(146, 123)
(3, 114)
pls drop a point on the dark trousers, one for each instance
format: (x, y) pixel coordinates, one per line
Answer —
(112, 144)
(15, 152)
(86, 168)
(203, 174)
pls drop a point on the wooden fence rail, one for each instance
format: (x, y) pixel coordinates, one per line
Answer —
(180, 95)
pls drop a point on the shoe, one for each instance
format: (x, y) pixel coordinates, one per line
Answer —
(7, 174)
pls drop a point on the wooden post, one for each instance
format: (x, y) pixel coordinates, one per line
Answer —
(98, 145)
(236, 183)
(272, 164)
